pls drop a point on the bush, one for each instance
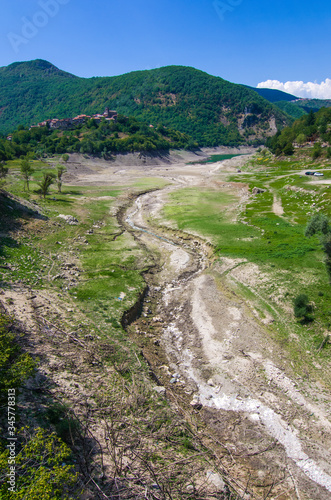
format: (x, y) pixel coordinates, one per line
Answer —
(302, 308)
(42, 468)
(15, 366)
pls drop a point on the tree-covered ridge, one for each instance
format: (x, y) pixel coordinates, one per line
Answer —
(101, 139)
(209, 109)
(313, 104)
(312, 128)
(291, 108)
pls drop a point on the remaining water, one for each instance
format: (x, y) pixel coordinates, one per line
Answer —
(215, 158)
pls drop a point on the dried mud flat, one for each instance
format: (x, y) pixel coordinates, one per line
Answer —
(220, 356)
(226, 362)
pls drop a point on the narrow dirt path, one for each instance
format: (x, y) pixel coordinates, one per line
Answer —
(225, 361)
(277, 206)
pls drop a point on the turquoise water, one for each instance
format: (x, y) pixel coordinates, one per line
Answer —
(215, 158)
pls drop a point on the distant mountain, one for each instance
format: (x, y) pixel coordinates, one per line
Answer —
(293, 106)
(313, 104)
(273, 95)
(209, 109)
(301, 107)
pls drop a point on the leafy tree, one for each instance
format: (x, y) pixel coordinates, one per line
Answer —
(319, 223)
(302, 308)
(65, 158)
(46, 182)
(317, 151)
(288, 149)
(310, 118)
(60, 171)
(301, 139)
(26, 172)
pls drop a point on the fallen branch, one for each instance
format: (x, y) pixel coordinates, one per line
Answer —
(65, 333)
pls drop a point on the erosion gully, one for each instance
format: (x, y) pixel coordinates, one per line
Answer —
(217, 357)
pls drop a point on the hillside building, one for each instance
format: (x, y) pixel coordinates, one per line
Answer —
(69, 123)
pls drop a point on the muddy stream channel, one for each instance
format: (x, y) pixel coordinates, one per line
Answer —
(220, 354)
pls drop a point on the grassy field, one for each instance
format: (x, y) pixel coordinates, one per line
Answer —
(110, 263)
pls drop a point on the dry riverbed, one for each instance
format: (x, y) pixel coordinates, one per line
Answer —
(218, 355)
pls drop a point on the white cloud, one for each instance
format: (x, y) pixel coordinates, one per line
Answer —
(300, 89)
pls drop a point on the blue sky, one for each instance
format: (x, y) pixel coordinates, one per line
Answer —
(243, 41)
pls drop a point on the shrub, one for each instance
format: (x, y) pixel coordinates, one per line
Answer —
(302, 308)
(42, 468)
(15, 366)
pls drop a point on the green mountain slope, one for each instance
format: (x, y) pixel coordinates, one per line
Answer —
(313, 104)
(302, 107)
(291, 108)
(209, 109)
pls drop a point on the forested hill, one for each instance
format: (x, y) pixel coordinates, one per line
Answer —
(290, 104)
(312, 130)
(209, 109)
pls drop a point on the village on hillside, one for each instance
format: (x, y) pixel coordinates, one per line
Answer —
(69, 123)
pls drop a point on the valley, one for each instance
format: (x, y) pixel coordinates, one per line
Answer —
(162, 317)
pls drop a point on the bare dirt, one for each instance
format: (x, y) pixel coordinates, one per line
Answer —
(220, 356)
(229, 364)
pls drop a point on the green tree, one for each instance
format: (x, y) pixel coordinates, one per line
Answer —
(319, 223)
(288, 149)
(317, 151)
(26, 172)
(65, 158)
(60, 171)
(301, 139)
(46, 182)
(302, 308)
(310, 118)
